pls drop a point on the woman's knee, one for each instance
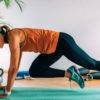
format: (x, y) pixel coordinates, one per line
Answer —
(34, 74)
(33, 71)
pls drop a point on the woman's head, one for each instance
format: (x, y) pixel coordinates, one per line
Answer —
(3, 35)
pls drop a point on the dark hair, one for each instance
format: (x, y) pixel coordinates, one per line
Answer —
(4, 30)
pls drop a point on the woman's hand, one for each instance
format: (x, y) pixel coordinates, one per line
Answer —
(5, 94)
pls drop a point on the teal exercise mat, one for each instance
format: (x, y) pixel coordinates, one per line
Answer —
(33, 93)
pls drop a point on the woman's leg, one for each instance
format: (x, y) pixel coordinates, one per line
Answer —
(74, 53)
(83, 71)
(93, 75)
(41, 66)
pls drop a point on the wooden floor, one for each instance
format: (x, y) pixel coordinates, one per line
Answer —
(49, 82)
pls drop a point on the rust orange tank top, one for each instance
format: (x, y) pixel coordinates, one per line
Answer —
(40, 40)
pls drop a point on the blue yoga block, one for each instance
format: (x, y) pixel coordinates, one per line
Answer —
(22, 74)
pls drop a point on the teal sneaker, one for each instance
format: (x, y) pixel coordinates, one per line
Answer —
(75, 76)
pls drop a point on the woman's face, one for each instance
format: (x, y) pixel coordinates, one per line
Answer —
(1, 41)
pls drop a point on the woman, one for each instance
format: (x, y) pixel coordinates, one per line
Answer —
(51, 45)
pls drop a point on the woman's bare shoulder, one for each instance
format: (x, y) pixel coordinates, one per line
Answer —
(16, 32)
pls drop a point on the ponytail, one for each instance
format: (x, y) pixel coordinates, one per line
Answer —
(4, 30)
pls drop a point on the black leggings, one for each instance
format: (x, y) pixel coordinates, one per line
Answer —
(66, 46)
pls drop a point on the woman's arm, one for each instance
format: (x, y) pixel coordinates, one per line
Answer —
(14, 45)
